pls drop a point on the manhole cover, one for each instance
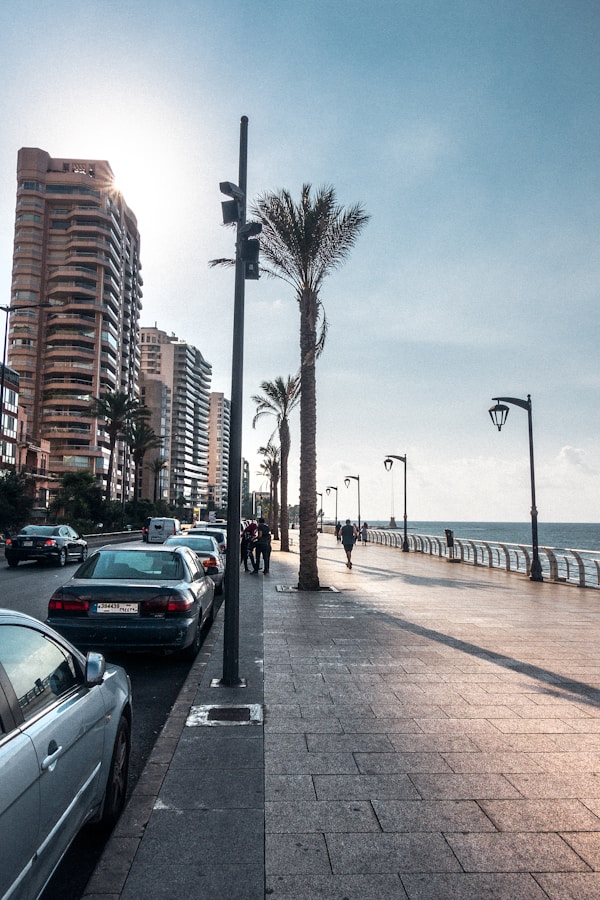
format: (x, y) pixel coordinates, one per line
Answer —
(242, 714)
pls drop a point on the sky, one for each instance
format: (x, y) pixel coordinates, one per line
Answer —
(468, 129)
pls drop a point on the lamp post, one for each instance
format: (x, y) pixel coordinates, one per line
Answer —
(328, 490)
(388, 463)
(7, 310)
(498, 415)
(347, 481)
(320, 513)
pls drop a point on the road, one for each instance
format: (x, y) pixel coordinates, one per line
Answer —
(156, 681)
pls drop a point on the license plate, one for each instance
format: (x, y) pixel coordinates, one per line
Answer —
(28, 543)
(122, 608)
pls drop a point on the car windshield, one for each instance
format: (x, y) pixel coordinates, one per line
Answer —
(42, 530)
(194, 543)
(134, 564)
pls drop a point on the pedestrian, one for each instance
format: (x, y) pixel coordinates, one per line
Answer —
(338, 528)
(365, 533)
(247, 545)
(262, 546)
(348, 535)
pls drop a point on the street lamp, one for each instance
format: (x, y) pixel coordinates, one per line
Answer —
(347, 481)
(7, 310)
(328, 490)
(320, 513)
(498, 415)
(388, 463)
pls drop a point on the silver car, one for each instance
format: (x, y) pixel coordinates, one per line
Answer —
(65, 726)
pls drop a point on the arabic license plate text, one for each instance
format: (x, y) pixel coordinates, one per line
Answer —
(124, 608)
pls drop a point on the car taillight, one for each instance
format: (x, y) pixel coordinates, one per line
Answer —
(166, 603)
(50, 543)
(59, 603)
(210, 562)
(8, 542)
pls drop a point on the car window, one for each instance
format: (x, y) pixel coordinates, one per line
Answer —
(136, 564)
(39, 669)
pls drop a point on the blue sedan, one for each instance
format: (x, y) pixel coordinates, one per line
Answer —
(65, 726)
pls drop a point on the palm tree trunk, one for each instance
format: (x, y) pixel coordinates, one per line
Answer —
(284, 451)
(308, 575)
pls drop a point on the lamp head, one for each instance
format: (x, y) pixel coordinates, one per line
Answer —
(388, 463)
(347, 482)
(498, 414)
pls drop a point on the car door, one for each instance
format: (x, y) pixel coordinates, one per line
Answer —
(19, 803)
(64, 721)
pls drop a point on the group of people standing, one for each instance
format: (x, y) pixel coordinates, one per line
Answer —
(256, 544)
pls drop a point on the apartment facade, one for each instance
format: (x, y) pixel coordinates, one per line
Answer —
(175, 386)
(219, 418)
(77, 252)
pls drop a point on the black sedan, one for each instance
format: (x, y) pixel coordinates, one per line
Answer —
(46, 543)
(136, 598)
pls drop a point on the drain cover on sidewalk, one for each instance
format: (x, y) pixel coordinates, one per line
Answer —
(241, 714)
(292, 589)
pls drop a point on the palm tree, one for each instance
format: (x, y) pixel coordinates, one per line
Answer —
(302, 243)
(141, 438)
(270, 468)
(117, 410)
(279, 399)
(156, 466)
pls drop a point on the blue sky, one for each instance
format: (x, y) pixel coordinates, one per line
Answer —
(470, 131)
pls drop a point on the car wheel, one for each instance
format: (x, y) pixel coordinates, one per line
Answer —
(191, 652)
(13, 563)
(62, 557)
(84, 554)
(116, 786)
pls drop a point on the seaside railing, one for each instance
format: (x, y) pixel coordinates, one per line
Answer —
(577, 567)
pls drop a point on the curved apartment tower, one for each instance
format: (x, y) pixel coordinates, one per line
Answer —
(77, 251)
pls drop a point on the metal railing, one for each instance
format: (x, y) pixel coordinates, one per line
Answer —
(561, 565)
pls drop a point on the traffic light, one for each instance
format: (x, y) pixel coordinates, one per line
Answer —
(250, 249)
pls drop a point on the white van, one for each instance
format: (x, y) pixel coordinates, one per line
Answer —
(160, 529)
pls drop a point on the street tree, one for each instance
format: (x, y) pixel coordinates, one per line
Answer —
(278, 399)
(141, 438)
(301, 243)
(116, 409)
(270, 467)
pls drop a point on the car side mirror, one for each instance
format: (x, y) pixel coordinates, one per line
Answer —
(95, 667)
(212, 570)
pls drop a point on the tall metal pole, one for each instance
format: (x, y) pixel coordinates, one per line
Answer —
(232, 601)
(390, 458)
(498, 414)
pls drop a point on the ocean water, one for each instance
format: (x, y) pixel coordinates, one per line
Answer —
(560, 535)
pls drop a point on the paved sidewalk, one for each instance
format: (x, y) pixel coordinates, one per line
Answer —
(432, 731)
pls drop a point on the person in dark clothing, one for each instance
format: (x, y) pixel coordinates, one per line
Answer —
(246, 545)
(262, 547)
(348, 535)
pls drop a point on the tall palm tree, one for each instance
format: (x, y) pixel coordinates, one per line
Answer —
(302, 243)
(270, 468)
(117, 410)
(278, 399)
(141, 437)
(156, 466)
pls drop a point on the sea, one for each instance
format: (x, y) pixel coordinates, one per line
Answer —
(559, 535)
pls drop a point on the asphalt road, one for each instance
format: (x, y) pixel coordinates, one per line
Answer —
(156, 681)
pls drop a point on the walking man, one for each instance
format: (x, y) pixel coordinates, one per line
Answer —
(348, 535)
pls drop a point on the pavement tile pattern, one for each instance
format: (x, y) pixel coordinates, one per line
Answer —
(430, 731)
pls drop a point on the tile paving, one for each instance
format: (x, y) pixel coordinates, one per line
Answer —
(430, 731)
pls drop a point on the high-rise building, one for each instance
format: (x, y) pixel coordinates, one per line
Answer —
(77, 252)
(218, 449)
(175, 386)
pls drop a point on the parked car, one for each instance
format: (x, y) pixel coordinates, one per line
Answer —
(217, 531)
(46, 543)
(136, 598)
(65, 726)
(206, 548)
